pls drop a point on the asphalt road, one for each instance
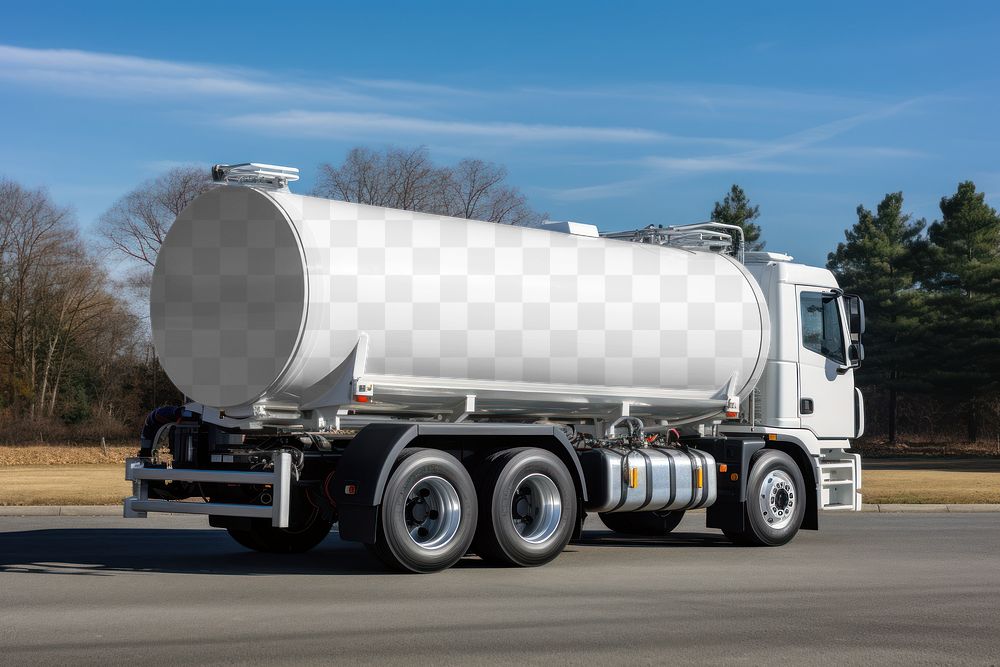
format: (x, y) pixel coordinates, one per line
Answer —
(868, 588)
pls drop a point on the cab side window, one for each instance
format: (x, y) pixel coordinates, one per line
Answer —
(822, 331)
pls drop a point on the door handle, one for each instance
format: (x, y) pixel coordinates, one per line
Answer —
(806, 406)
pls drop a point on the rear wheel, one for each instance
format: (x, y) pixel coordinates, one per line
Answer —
(527, 507)
(428, 515)
(647, 524)
(776, 501)
(262, 536)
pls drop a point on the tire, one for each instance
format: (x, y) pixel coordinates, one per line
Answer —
(264, 537)
(646, 524)
(428, 515)
(776, 501)
(527, 507)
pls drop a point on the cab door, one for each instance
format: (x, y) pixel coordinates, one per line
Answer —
(826, 379)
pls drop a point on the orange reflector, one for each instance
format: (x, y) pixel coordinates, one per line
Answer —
(732, 415)
(350, 489)
(723, 467)
(700, 478)
(633, 481)
(772, 436)
(363, 399)
(734, 476)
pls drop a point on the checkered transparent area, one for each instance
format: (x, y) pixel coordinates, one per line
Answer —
(445, 297)
(228, 297)
(245, 304)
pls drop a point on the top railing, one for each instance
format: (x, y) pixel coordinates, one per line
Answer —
(710, 235)
(256, 174)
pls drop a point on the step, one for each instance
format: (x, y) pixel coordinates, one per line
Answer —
(836, 465)
(837, 482)
(838, 507)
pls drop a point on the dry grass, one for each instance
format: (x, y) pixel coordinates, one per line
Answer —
(63, 485)
(86, 475)
(930, 486)
(43, 455)
(873, 447)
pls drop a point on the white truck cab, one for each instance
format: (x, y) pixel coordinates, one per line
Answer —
(807, 392)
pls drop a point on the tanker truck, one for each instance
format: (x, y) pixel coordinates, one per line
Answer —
(438, 387)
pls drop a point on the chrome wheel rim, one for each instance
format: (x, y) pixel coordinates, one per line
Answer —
(777, 498)
(432, 513)
(536, 508)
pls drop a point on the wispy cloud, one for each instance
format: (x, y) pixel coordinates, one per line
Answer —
(702, 97)
(601, 191)
(764, 157)
(336, 124)
(359, 106)
(88, 73)
(399, 110)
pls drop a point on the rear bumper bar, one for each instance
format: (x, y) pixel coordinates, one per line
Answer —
(280, 479)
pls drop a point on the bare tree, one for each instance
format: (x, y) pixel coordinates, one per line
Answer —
(137, 223)
(35, 234)
(395, 179)
(478, 192)
(409, 180)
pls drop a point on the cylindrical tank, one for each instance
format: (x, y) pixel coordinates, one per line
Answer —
(257, 295)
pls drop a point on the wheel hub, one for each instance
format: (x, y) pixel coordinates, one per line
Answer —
(432, 513)
(536, 508)
(776, 498)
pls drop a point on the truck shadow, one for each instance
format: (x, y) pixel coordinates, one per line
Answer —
(110, 551)
(72, 551)
(606, 538)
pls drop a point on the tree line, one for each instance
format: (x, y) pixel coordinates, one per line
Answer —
(76, 360)
(932, 297)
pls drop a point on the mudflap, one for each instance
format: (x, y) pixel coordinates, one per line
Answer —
(732, 458)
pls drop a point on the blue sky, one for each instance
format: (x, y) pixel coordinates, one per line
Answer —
(620, 114)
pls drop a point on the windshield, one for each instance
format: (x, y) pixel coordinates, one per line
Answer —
(822, 331)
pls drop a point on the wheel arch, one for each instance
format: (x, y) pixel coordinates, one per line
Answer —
(804, 461)
(368, 461)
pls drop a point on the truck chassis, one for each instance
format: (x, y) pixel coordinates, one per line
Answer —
(423, 494)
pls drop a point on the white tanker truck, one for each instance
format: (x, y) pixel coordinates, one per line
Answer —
(440, 386)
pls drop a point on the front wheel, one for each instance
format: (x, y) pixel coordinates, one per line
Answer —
(776, 501)
(646, 524)
(527, 507)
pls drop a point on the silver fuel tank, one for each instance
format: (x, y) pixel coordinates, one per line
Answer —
(648, 479)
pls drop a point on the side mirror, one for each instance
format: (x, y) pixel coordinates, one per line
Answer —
(855, 354)
(855, 316)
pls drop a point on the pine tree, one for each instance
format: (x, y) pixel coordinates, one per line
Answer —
(878, 262)
(735, 209)
(963, 279)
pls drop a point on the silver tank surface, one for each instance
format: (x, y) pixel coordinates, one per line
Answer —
(664, 479)
(257, 296)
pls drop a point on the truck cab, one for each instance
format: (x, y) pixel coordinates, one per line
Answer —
(807, 394)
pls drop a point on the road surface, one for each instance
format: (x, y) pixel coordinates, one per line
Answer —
(867, 588)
